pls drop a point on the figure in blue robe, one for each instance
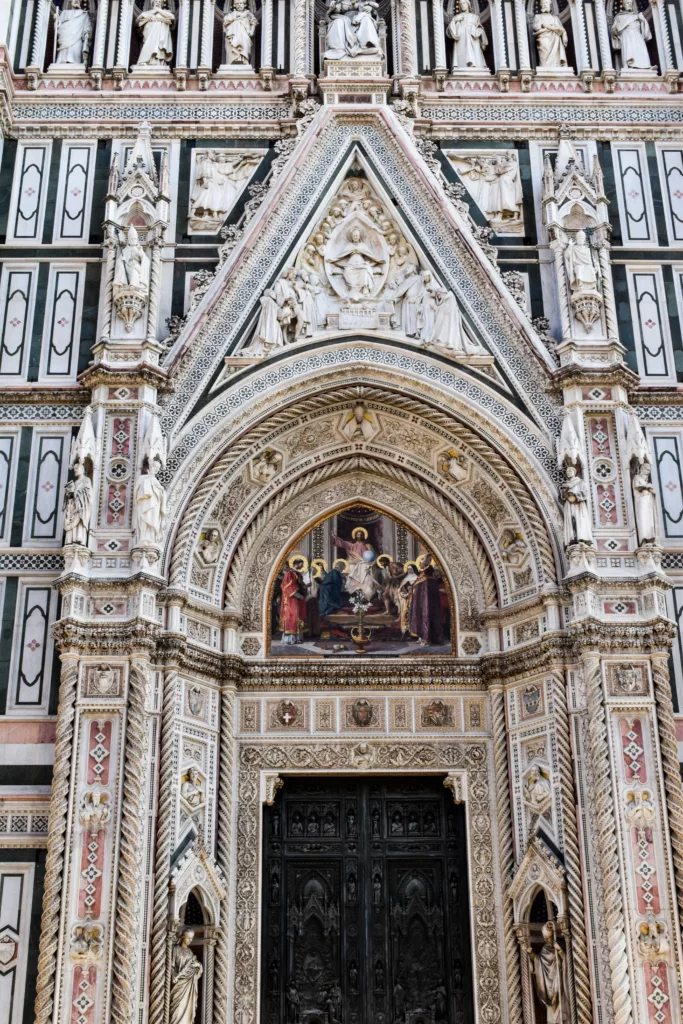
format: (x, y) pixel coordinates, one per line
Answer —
(331, 597)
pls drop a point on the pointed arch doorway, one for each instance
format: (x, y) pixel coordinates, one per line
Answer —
(365, 904)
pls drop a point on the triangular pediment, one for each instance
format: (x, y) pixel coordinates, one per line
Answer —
(395, 223)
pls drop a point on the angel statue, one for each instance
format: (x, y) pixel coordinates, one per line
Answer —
(239, 25)
(73, 29)
(155, 25)
(186, 971)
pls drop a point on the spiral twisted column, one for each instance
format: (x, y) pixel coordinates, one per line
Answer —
(162, 854)
(506, 850)
(224, 835)
(608, 851)
(572, 859)
(129, 895)
(671, 768)
(56, 848)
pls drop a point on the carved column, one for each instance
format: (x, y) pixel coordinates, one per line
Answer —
(163, 850)
(129, 895)
(502, 61)
(611, 324)
(299, 28)
(578, 19)
(123, 41)
(579, 950)
(603, 36)
(97, 62)
(522, 36)
(154, 284)
(206, 49)
(224, 847)
(40, 31)
(505, 847)
(182, 59)
(670, 767)
(408, 38)
(56, 850)
(267, 35)
(439, 39)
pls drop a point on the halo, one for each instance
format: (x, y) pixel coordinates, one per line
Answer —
(319, 565)
(361, 530)
(425, 554)
(297, 558)
(342, 562)
(380, 563)
(407, 565)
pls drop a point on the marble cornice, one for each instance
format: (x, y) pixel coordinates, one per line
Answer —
(592, 635)
(37, 394)
(105, 639)
(614, 375)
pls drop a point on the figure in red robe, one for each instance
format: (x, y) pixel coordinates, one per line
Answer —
(293, 605)
(425, 606)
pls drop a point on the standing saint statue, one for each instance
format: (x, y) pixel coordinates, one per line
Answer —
(577, 517)
(132, 263)
(149, 507)
(551, 38)
(470, 39)
(74, 29)
(78, 506)
(549, 975)
(186, 971)
(239, 25)
(155, 25)
(644, 504)
(581, 272)
(630, 33)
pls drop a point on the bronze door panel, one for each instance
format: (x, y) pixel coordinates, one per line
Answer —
(365, 915)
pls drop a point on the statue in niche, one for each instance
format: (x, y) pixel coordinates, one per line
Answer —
(551, 38)
(191, 788)
(220, 176)
(132, 263)
(149, 507)
(469, 37)
(186, 971)
(73, 29)
(644, 504)
(239, 25)
(577, 517)
(581, 272)
(78, 506)
(630, 33)
(359, 263)
(210, 548)
(352, 30)
(155, 25)
(549, 975)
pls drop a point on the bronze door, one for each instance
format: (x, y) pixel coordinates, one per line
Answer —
(365, 916)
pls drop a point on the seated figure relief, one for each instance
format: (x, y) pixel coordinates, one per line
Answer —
(357, 270)
(352, 29)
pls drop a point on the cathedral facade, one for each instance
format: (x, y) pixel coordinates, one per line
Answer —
(341, 512)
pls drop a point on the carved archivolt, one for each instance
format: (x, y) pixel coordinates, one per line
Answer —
(471, 758)
(409, 443)
(296, 508)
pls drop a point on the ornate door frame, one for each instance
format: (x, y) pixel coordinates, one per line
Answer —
(468, 772)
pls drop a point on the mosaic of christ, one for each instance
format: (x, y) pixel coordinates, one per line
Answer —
(360, 583)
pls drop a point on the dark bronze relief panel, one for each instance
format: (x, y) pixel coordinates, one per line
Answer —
(366, 915)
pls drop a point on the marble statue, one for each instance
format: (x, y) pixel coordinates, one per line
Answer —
(77, 507)
(352, 29)
(452, 466)
(581, 272)
(577, 518)
(469, 38)
(73, 28)
(630, 33)
(210, 548)
(551, 38)
(239, 25)
(357, 262)
(132, 263)
(536, 789)
(644, 504)
(191, 788)
(149, 507)
(155, 25)
(186, 971)
(549, 976)
(494, 182)
(219, 177)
